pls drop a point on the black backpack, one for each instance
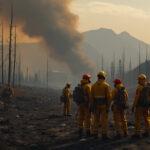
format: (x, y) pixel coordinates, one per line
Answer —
(78, 95)
(120, 99)
(144, 100)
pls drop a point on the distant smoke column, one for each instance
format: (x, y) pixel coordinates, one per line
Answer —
(56, 25)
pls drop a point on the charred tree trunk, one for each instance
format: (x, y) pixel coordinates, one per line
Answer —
(15, 55)
(10, 47)
(19, 71)
(2, 55)
(146, 61)
(102, 62)
(139, 58)
(47, 74)
(112, 71)
(123, 65)
(130, 71)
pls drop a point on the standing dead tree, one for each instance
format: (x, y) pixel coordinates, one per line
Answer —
(10, 47)
(112, 70)
(139, 69)
(123, 64)
(2, 54)
(19, 70)
(47, 73)
(102, 62)
(120, 69)
(130, 71)
(146, 61)
(15, 55)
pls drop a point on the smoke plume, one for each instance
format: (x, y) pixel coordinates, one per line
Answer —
(52, 21)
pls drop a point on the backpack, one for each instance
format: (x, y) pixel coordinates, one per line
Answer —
(63, 98)
(144, 100)
(120, 99)
(78, 95)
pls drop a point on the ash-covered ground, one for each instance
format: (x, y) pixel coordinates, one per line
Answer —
(36, 123)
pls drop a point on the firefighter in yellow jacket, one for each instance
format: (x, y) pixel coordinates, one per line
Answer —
(140, 111)
(101, 96)
(119, 98)
(67, 101)
(83, 107)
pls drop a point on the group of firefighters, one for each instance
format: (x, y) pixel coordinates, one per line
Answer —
(98, 99)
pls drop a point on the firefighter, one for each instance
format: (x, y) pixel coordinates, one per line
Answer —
(83, 106)
(141, 112)
(101, 96)
(7, 93)
(67, 99)
(119, 98)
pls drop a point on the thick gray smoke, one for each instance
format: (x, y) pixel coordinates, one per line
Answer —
(52, 21)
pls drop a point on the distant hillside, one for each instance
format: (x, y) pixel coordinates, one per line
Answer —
(107, 42)
(96, 42)
(132, 75)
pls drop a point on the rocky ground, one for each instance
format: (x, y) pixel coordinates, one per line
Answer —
(36, 123)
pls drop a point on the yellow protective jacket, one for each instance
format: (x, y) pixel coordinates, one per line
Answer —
(67, 93)
(101, 89)
(87, 89)
(115, 91)
(137, 95)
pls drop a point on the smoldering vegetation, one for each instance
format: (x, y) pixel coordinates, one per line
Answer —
(53, 22)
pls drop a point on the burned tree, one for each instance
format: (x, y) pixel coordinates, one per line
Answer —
(130, 72)
(15, 55)
(123, 64)
(139, 68)
(146, 62)
(102, 67)
(2, 54)
(47, 73)
(10, 47)
(112, 71)
(19, 70)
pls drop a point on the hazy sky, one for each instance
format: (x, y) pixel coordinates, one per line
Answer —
(132, 16)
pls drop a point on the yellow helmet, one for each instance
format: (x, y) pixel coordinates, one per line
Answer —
(102, 73)
(142, 77)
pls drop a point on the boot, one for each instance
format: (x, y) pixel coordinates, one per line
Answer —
(80, 133)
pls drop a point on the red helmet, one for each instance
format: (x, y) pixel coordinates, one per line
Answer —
(86, 76)
(117, 81)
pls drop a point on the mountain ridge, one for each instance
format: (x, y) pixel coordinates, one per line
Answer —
(108, 43)
(97, 43)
